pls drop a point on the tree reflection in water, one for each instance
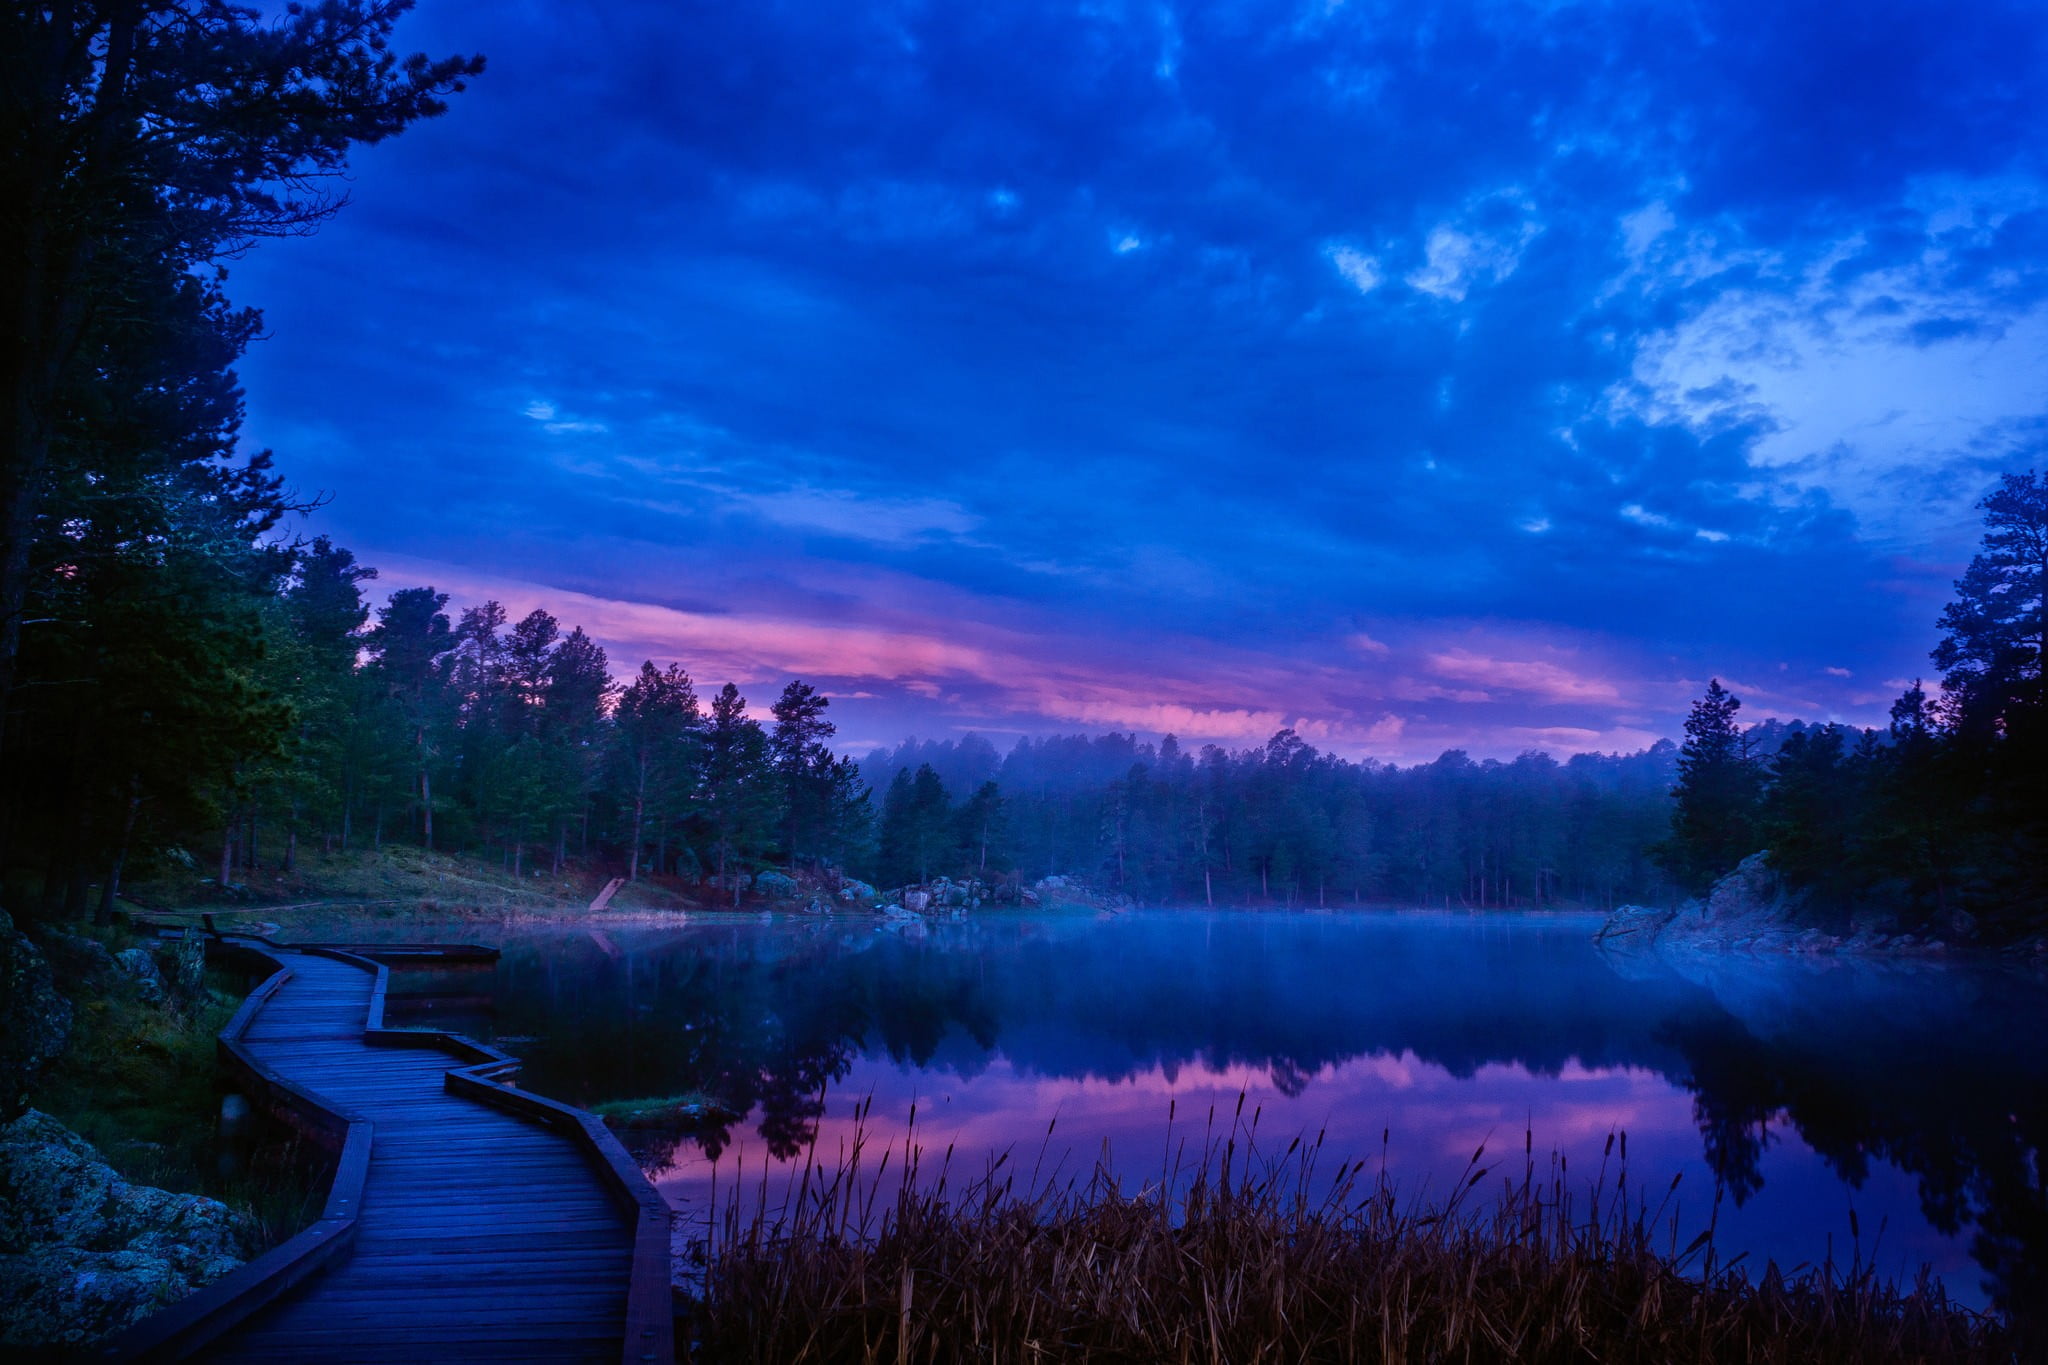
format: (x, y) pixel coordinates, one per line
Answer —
(1939, 1070)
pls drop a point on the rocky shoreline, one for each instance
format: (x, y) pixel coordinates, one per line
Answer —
(85, 1253)
(1751, 911)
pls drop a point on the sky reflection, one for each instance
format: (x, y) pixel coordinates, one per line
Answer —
(1915, 1093)
(1433, 1122)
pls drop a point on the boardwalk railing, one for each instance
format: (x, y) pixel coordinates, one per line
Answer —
(188, 1325)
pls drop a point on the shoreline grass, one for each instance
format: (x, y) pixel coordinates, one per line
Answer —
(141, 1082)
(1243, 1256)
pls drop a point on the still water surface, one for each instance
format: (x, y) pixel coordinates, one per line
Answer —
(1914, 1094)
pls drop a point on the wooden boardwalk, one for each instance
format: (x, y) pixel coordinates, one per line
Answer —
(479, 1234)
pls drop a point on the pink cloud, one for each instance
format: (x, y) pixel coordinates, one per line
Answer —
(894, 650)
(1535, 677)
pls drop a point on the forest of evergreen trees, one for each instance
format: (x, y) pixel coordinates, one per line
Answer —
(1280, 824)
(298, 716)
(1939, 821)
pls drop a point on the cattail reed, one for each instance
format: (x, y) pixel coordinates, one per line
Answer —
(1239, 1257)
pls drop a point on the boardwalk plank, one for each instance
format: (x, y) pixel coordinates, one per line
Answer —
(481, 1234)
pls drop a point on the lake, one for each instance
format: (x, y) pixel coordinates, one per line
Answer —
(1914, 1094)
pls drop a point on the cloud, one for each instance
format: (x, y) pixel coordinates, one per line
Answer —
(1006, 357)
(842, 512)
(1874, 371)
(1536, 677)
(1483, 248)
(1360, 271)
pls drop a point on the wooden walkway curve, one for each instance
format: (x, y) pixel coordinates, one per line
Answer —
(490, 1224)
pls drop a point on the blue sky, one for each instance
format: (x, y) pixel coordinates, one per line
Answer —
(1417, 375)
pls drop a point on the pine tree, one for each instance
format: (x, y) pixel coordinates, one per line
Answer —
(143, 141)
(407, 644)
(737, 796)
(981, 830)
(1991, 653)
(655, 729)
(1713, 825)
(804, 769)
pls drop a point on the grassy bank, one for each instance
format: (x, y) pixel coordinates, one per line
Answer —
(1244, 1258)
(139, 1080)
(399, 876)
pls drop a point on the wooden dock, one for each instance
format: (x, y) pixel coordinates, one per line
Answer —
(468, 1220)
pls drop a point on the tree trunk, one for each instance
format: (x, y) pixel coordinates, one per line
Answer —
(639, 822)
(76, 885)
(518, 857)
(427, 807)
(112, 887)
(227, 852)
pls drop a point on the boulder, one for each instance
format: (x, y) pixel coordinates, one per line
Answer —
(139, 965)
(83, 1253)
(1634, 925)
(77, 957)
(777, 886)
(35, 1021)
(1750, 897)
(1749, 910)
(853, 889)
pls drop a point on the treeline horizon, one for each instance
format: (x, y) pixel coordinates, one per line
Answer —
(320, 721)
(1278, 823)
(295, 713)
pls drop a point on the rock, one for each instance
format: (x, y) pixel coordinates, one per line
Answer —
(35, 1021)
(78, 957)
(83, 1253)
(853, 889)
(142, 967)
(1639, 922)
(777, 886)
(1749, 909)
(1750, 896)
(917, 900)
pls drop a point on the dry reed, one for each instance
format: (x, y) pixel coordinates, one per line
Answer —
(1244, 1256)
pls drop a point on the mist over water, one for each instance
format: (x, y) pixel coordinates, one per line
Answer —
(1914, 1094)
